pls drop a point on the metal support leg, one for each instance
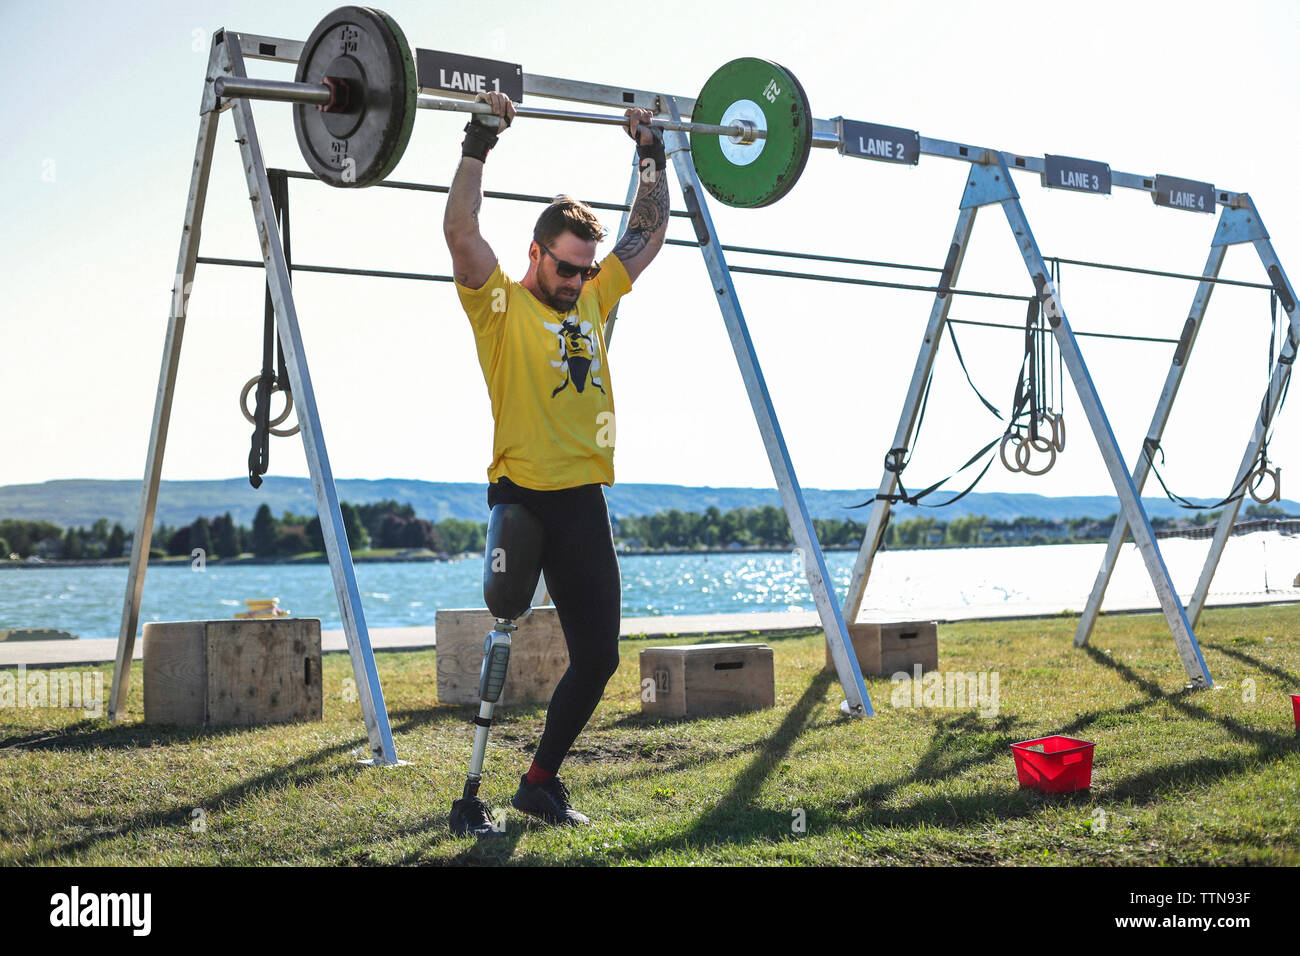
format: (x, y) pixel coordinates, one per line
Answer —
(911, 406)
(1276, 387)
(1188, 648)
(369, 692)
(633, 185)
(858, 702)
(208, 122)
(1142, 465)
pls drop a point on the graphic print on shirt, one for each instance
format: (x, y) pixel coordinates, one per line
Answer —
(578, 358)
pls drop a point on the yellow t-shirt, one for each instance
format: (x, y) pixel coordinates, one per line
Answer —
(548, 380)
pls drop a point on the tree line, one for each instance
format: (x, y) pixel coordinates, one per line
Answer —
(768, 527)
(388, 524)
(384, 524)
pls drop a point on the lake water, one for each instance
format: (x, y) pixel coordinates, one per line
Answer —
(88, 601)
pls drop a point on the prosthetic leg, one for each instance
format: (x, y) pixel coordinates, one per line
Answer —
(512, 564)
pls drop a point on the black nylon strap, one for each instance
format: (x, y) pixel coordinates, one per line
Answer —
(1058, 391)
(1276, 357)
(1149, 447)
(1027, 402)
(896, 459)
(962, 362)
(1031, 388)
(282, 373)
(259, 454)
(915, 500)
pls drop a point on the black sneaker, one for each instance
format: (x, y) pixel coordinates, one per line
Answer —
(471, 816)
(549, 801)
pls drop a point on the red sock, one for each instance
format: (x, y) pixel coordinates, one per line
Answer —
(537, 774)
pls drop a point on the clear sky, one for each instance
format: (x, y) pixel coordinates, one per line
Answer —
(100, 108)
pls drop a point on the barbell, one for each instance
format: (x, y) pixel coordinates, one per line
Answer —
(355, 94)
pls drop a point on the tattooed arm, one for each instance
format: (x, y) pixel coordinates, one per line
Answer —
(472, 259)
(646, 226)
(648, 222)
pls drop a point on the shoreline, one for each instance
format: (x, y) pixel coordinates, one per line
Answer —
(728, 626)
(183, 561)
(361, 557)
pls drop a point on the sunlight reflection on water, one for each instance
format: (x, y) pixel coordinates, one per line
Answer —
(88, 601)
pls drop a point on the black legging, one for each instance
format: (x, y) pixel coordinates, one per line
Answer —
(583, 579)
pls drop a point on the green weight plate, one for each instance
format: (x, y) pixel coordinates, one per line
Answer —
(768, 95)
(361, 145)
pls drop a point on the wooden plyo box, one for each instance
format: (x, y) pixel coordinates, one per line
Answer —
(219, 673)
(700, 680)
(885, 649)
(538, 656)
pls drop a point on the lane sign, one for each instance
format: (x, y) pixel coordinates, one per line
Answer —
(889, 144)
(1081, 175)
(464, 77)
(1188, 194)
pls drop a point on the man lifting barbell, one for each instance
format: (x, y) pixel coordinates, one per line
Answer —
(541, 345)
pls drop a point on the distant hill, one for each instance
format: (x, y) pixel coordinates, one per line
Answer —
(79, 502)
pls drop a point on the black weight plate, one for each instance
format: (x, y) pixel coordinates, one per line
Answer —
(787, 116)
(361, 146)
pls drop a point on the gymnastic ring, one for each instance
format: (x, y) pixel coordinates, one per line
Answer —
(288, 408)
(1055, 422)
(1257, 477)
(1060, 420)
(1043, 445)
(1002, 450)
(243, 401)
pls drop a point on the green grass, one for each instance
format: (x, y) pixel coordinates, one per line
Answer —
(1180, 777)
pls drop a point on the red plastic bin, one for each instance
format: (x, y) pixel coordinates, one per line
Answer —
(1055, 764)
(1295, 705)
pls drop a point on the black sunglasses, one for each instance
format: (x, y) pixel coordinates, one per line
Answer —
(568, 270)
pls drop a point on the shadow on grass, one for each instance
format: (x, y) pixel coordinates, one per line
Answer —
(1144, 787)
(727, 821)
(313, 768)
(637, 721)
(436, 829)
(1278, 672)
(1184, 701)
(691, 761)
(102, 734)
(489, 851)
(301, 772)
(961, 743)
(773, 750)
(465, 713)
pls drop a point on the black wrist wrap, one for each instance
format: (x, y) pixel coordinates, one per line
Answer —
(654, 150)
(478, 141)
